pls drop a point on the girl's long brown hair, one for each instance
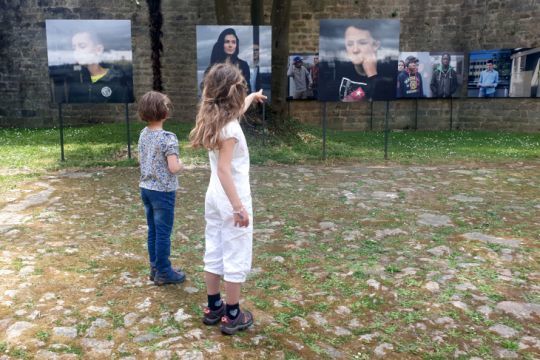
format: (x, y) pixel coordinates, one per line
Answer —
(223, 95)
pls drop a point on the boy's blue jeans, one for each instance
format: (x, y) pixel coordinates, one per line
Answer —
(159, 209)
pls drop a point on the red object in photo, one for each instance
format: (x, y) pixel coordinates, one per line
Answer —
(356, 95)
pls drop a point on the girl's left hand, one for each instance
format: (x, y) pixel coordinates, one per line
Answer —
(241, 218)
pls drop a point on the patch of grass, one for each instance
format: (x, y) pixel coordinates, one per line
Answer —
(28, 153)
(367, 302)
(510, 345)
(43, 335)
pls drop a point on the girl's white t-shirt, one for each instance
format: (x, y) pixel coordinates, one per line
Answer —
(239, 163)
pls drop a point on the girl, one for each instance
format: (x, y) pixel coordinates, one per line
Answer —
(228, 209)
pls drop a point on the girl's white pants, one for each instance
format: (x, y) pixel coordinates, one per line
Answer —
(228, 248)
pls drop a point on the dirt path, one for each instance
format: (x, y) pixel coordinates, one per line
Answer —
(350, 262)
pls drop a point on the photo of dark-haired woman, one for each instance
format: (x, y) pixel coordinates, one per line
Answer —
(226, 49)
(247, 47)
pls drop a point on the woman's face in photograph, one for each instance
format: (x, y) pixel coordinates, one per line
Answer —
(229, 45)
(359, 45)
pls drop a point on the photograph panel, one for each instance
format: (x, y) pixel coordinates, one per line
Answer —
(303, 76)
(429, 74)
(358, 59)
(90, 61)
(248, 47)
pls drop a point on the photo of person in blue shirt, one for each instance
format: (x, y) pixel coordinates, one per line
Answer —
(489, 79)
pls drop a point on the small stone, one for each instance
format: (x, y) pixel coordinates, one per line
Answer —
(519, 310)
(381, 234)
(352, 235)
(460, 305)
(339, 331)
(190, 355)
(439, 250)
(529, 341)
(181, 316)
(17, 329)
(195, 334)
(503, 331)
(319, 319)
(446, 320)
(145, 305)
(163, 354)
(145, 338)
(47, 296)
(295, 345)
(383, 195)
(484, 310)
(98, 347)
(147, 320)
(68, 332)
(11, 293)
(191, 290)
(380, 351)
(301, 322)
(98, 309)
(327, 225)
(26, 270)
(368, 337)
(465, 287)
(374, 284)
(130, 319)
(432, 286)
(343, 310)
(506, 354)
(467, 199)
(278, 259)
(257, 339)
(434, 220)
(513, 243)
(354, 324)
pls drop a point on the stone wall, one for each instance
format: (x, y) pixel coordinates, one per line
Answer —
(458, 25)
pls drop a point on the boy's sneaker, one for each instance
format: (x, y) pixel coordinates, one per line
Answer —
(174, 277)
(212, 317)
(153, 272)
(242, 322)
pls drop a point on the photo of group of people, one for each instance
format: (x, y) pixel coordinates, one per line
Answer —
(90, 61)
(248, 47)
(429, 74)
(303, 75)
(504, 73)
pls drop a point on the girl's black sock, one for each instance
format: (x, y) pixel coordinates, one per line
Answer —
(232, 311)
(214, 301)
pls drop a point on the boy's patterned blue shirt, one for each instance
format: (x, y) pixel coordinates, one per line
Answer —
(154, 147)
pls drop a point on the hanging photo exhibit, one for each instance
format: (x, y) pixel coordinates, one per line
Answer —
(90, 61)
(358, 59)
(429, 74)
(248, 47)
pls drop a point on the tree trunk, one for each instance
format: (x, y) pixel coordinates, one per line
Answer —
(257, 12)
(155, 25)
(223, 11)
(280, 52)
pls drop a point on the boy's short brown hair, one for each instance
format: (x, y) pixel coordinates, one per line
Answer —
(154, 106)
